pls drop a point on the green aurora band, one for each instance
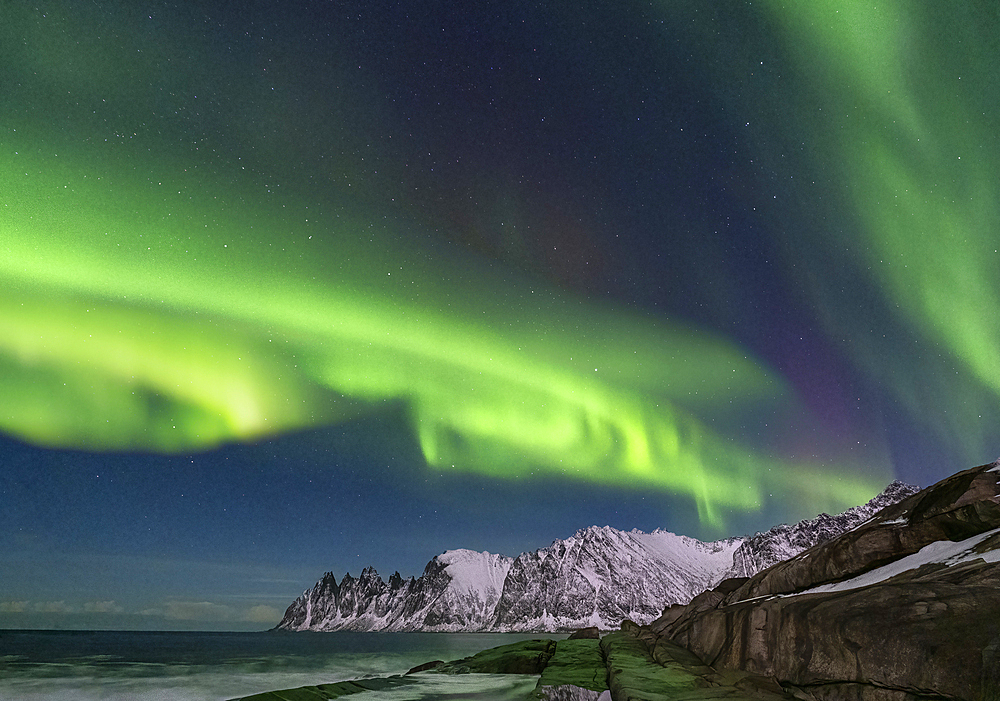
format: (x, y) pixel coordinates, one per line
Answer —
(152, 305)
(897, 103)
(130, 323)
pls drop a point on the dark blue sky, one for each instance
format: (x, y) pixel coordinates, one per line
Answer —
(768, 230)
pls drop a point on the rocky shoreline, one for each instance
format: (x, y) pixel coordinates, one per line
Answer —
(903, 607)
(617, 666)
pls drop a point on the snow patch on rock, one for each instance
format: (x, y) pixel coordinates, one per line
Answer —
(472, 571)
(942, 552)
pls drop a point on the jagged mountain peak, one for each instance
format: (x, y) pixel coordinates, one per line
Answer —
(783, 541)
(596, 577)
(473, 572)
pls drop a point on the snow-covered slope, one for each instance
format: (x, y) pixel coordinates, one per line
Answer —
(762, 550)
(600, 576)
(458, 591)
(942, 553)
(597, 577)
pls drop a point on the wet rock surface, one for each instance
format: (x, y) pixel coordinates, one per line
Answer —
(322, 692)
(643, 668)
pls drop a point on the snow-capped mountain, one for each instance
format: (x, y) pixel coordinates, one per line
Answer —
(600, 576)
(458, 591)
(597, 577)
(762, 550)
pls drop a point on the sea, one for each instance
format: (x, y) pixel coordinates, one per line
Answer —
(205, 666)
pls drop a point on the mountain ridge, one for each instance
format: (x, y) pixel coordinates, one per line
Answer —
(597, 577)
(766, 548)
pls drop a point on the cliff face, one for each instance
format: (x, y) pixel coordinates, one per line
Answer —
(904, 606)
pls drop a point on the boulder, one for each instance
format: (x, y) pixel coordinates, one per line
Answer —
(525, 657)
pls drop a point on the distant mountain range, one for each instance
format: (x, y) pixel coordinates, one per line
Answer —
(597, 577)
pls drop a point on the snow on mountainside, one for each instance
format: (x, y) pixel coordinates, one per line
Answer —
(471, 571)
(782, 542)
(458, 591)
(599, 576)
(943, 553)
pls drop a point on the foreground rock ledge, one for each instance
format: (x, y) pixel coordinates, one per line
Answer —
(577, 670)
(567, 670)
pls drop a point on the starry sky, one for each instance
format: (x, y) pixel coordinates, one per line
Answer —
(309, 286)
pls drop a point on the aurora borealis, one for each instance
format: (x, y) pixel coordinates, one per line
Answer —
(323, 285)
(170, 347)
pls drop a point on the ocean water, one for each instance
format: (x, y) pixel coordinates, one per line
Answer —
(183, 666)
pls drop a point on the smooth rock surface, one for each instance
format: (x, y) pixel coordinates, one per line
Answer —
(322, 692)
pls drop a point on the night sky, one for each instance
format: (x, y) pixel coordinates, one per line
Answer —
(307, 286)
